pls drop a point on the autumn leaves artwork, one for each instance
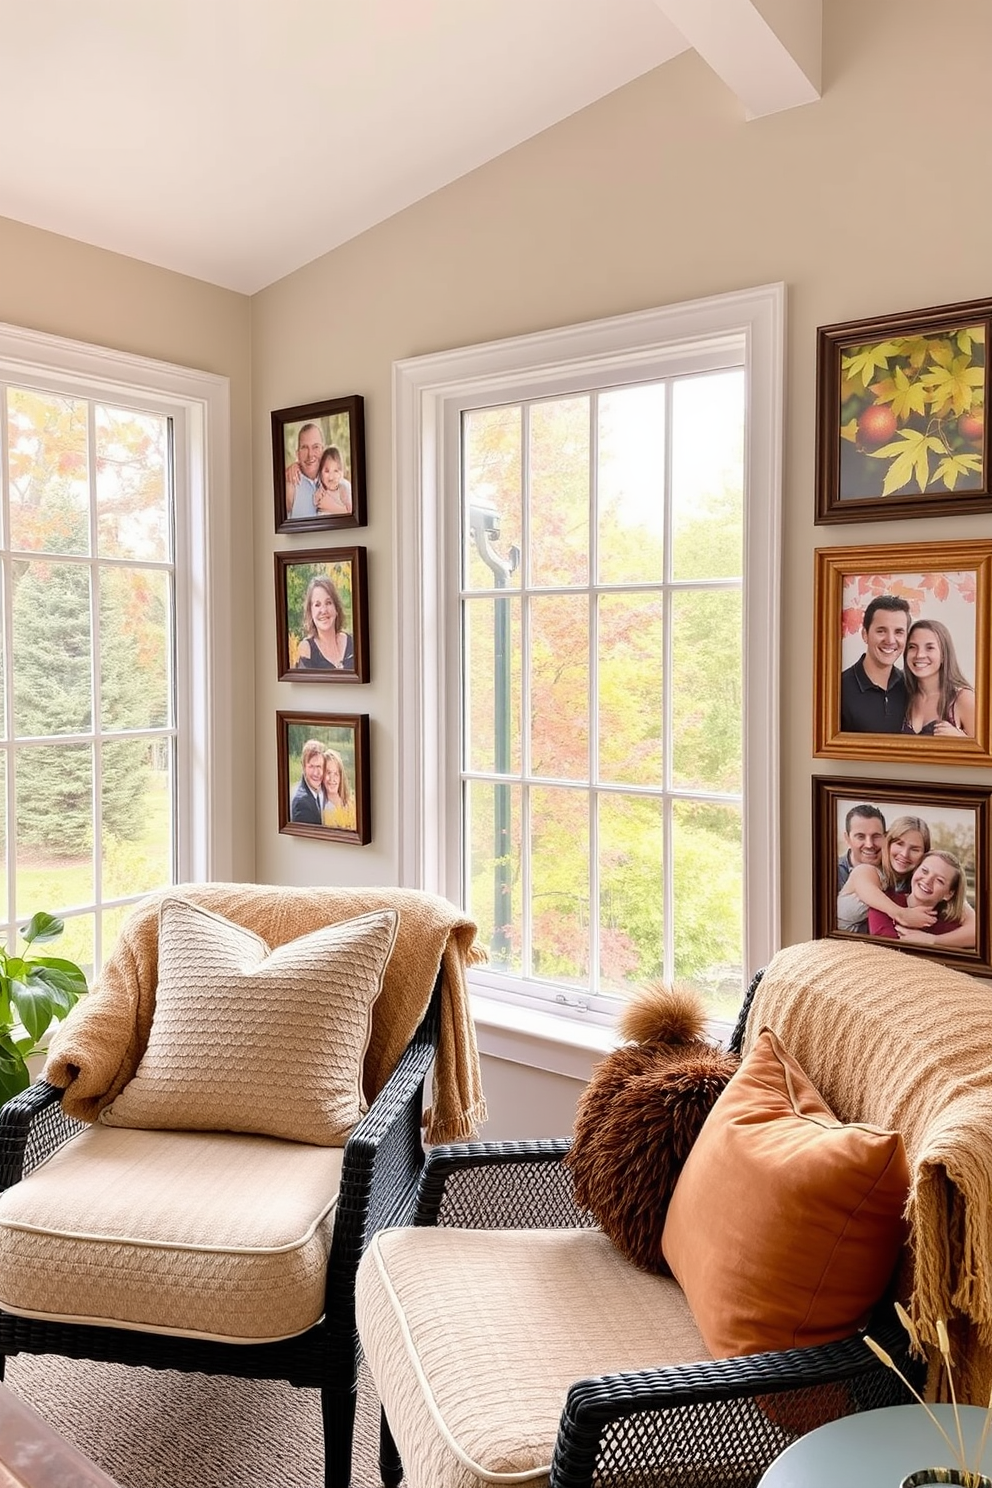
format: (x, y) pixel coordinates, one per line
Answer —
(901, 416)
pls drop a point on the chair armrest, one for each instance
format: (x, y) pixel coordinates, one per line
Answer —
(500, 1185)
(384, 1155)
(725, 1419)
(32, 1127)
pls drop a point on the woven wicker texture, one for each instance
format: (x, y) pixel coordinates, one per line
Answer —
(237, 1025)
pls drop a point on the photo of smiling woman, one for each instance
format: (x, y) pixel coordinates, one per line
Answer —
(322, 616)
(940, 701)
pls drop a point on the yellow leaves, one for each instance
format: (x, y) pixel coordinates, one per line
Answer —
(849, 431)
(952, 466)
(909, 453)
(950, 383)
(863, 361)
(906, 397)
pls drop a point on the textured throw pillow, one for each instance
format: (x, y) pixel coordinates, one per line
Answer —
(639, 1115)
(785, 1224)
(249, 1039)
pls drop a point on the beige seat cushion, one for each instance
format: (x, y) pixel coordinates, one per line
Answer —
(210, 1234)
(245, 1038)
(474, 1336)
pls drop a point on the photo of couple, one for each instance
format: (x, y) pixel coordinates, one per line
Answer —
(324, 776)
(901, 658)
(317, 459)
(908, 679)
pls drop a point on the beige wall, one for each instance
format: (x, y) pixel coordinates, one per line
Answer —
(870, 201)
(54, 284)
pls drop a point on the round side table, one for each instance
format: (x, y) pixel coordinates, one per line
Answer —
(877, 1448)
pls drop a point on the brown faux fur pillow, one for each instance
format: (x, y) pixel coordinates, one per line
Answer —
(639, 1115)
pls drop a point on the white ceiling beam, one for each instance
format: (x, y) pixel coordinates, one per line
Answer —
(767, 51)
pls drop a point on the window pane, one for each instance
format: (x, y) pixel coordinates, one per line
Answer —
(631, 648)
(632, 484)
(493, 814)
(51, 647)
(47, 466)
(492, 683)
(709, 897)
(77, 942)
(560, 884)
(558, 507)
(110, 927)
(3, 832)
(707, 666)
(134, 648)
(708, 476)
(559, 687)
(54, 857)
(631, 891)
(137, 816)
(132, 453)
(491, 454)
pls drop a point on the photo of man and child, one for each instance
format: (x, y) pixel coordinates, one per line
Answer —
(903, 671)
(318, 465)
(906, 877)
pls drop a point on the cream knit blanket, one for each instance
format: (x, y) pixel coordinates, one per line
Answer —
(904, 1043)
(96, 1050)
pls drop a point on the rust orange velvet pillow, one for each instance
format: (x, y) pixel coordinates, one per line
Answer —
(785, 1224)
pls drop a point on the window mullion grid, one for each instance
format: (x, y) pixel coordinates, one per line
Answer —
(668, 730)
(8, 671)
(526, 925)
(593, 703)
(97, 691)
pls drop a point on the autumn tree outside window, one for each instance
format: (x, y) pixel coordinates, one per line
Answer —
(102, 484)
(604, 506)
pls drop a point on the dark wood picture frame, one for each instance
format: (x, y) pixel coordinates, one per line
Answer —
(936, 567)
(347, 734)
(901, 415)
(937, 806)
(341, 426)
(345, 573)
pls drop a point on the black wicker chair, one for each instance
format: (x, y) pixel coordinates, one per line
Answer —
(382, 1162)
(706, 1425)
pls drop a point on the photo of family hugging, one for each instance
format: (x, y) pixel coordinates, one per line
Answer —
(323, 776)
(319, 465)
(905, 865)
(902, 658)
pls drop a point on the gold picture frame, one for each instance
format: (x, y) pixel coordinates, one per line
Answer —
(949, 582)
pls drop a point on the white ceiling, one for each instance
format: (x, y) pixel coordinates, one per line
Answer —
(235, 140)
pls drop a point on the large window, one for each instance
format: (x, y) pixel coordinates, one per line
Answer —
(603, 685)
(591, 657)
(106, 742)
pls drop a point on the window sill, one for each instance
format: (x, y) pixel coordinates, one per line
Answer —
(544, 1041)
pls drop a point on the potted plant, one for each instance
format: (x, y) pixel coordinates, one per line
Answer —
(35, 992)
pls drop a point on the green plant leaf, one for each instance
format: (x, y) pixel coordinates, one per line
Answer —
(33, 1001)
(14, 1076)
(42, 927)
(67, 973)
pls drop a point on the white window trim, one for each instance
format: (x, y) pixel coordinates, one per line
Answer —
(426, 587)
(205, 808)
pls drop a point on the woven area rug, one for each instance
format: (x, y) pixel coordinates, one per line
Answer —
(148, 1428)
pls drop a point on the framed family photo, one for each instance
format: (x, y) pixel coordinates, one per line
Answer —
(324, 786)
(318, 465)
(322, 616)
(900, 415)
(905, 864)
(901, 659)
